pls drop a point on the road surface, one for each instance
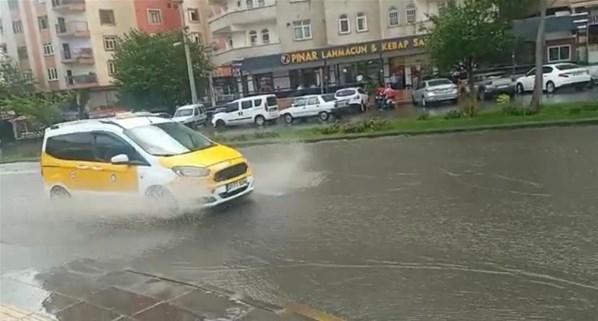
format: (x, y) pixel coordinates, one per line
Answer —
(496, 225)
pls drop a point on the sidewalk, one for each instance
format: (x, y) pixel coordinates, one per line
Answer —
(132, 296)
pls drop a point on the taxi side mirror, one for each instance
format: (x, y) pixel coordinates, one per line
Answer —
(120, 159)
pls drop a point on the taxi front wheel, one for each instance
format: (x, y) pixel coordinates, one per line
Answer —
(59, 193)
(161, 200)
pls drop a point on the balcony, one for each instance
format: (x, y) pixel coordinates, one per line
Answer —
(82, 56)
(82, 81)
(234, 20)
(68, 5)
(227, 56)
(72, 29)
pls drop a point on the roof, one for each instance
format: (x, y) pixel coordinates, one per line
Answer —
(527, 29)
(110, 124)
(189, 106)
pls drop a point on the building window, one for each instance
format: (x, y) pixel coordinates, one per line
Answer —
(249, 4)
(154, 16)
(22, 52)
(193, 14)
(443, 7)
(362, 22)
(196, 37)
(48, 49)
(52, 74)
(265, 36)
(302, 29)
(111, 67)
(107, 17)
(559, 53)
(252, 38)
(3, 48)
(42, 22)
(229, 41)
(343, 24)
(261, 3)
(109, 43)
(238, 3)
(17, 26)
(393, 17)
(411, 12)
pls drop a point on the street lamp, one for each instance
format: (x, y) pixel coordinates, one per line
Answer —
(194, 99)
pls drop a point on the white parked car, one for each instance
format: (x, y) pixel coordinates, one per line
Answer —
(357, 97)
(556, 76)
(255, 109)
(320, 106)
(435, 90)
(190, 115)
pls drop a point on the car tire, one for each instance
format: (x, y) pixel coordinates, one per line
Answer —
(59, 193)
(519, 88)
(259, 121)
(323, 116)
(288, 119)
(160, 199)
(220, 124)
(550, 88)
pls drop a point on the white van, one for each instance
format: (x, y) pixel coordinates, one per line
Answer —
(256, 109)
(190, 115)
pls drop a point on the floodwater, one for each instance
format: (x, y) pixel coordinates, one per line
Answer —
(496, 225)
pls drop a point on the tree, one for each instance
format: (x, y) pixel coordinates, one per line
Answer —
(151, 70)
(18, 94)
(539, 57)
(469, 33)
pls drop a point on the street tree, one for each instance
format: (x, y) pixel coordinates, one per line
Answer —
(19, 95)
(539, 58)
(151, 70)
(469, 33)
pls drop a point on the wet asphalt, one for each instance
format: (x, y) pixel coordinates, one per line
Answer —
(495, 225)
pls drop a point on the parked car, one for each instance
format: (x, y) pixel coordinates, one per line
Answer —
(593, 73)
(356, 97)
(556, 76)
(435, 90)
(493, 84)
(320, 106)
(256, 109)
(191, 115)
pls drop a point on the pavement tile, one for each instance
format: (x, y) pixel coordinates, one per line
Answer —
(210, 305)
(122, 278)
(86, 312)
(121, 301)
(68, 283)
(56, 302)
(158, 289)
(167, 312)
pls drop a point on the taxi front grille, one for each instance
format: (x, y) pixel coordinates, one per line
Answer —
(230, 172)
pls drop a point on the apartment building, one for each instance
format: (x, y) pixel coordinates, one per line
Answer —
(69, 44)
(283, 45)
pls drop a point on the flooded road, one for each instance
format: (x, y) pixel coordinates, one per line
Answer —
(497, 225)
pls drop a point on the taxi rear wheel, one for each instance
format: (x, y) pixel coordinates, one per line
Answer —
(161, 199)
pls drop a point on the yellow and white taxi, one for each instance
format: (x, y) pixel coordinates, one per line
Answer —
(151, 157)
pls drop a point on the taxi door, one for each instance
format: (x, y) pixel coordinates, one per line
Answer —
(110, 177)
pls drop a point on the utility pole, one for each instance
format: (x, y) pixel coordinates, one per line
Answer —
(194, 99)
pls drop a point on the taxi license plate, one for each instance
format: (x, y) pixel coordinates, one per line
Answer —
(236, 185)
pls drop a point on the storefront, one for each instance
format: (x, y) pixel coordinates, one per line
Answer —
(400, 61)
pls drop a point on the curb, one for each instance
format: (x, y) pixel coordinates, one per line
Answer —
(522, 125)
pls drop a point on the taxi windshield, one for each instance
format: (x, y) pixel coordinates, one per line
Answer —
(183, 112)
(168, 139)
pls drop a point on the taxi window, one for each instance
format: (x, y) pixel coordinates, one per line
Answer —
(257, 102)
(71, 147)
(312, 101)
(108, 146)
(246, 104)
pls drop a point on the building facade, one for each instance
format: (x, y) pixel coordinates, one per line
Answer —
(69, 44)
(289, 45)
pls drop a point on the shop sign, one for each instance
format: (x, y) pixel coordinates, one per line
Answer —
(369, 48)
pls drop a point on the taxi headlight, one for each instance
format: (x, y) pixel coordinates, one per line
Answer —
(192, 171)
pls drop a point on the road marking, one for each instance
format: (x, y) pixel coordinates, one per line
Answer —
(312, 313)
